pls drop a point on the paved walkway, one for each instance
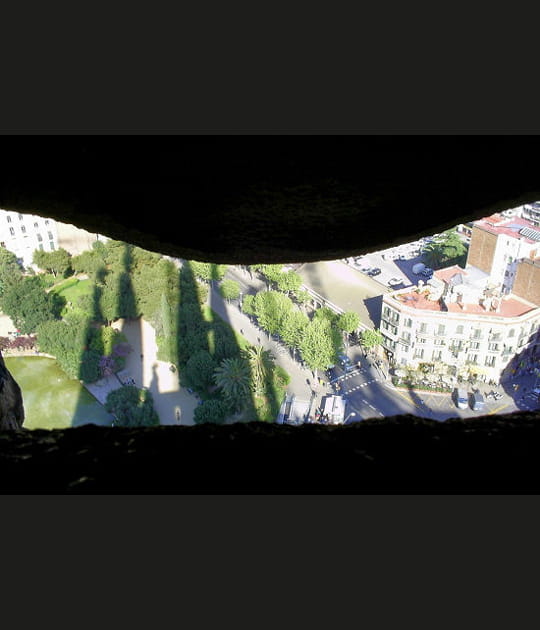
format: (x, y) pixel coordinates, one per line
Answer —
(174, 404)
(301, 379)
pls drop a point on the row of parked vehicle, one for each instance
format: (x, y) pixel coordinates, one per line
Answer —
(463, 399)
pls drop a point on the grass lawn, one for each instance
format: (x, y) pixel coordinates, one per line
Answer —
(52, 400)
(71, 289)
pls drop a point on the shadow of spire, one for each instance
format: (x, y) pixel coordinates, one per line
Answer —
(206, 342)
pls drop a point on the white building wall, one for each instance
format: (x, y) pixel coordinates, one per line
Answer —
(24, 233)
(486, 342)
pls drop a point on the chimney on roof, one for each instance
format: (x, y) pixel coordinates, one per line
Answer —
(496, 304)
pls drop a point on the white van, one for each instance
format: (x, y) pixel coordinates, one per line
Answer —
(461, 398)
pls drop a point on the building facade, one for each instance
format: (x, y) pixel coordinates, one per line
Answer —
(22, 234)
(458, 324)
(499, 243)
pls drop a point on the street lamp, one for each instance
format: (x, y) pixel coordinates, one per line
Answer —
(353, 413)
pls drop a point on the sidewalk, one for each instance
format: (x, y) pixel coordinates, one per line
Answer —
(301, 380)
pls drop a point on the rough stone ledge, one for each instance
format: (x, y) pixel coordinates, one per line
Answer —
(403, 454)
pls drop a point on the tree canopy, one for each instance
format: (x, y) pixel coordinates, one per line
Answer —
(10, 270)
(28, 305)
(371, 338)
(229, 289)
(320, 344)
(447, 249)
(58, 262)
(132, 407)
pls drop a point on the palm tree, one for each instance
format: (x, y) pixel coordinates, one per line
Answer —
(233, 378)
(260, 362)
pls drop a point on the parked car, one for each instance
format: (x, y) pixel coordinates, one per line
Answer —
(394, 282)
(477, 401)
(427, 272)
(374, 272)
(460, 398)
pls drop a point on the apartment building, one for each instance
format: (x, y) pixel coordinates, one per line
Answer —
(498, 245)
(460, 322)
(24, 233)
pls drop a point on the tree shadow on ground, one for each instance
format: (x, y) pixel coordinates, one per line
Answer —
(206, 342)
(112, 297)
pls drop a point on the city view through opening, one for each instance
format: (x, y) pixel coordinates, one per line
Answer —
(101, 331)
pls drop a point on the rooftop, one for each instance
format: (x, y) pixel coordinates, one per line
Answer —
(428, 300)
(516, 227)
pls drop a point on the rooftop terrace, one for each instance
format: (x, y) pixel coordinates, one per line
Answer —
(423, 300)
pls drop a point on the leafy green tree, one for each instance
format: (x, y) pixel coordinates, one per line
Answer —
(289, 281)
(447, 249)
(229, 289)
(272, 308)
(303, 298)
(348, 322)
(199, 371)
(89, 371)
(104, 339)
(132, 407)
(293, 327)
(29, 305)
(260, 363)
(248, 306)
(67, 340)
(210, 411)
(233, 379)
(88, 262)
(207, 271)
(58, 262)
(10, 270)
(320, 345)
(326, 313)
(371, 338)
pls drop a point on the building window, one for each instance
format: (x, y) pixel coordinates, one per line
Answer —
(511, 332)
(423, 327)
(439, 342)
(8, 219)
(39, 238)
(419, 353)
(493, 347)
(474, 345)
(50, 236)
(36, 225)
(490, 361)
(477, 333)
(408, 322)
(20, 216)
(406, 336)
(436, 355)
(46, 221)
(41, 246)
(12, 231)
(440, 329)
(23, 229)
(472, 358)
(459, 330)
(51, 245)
